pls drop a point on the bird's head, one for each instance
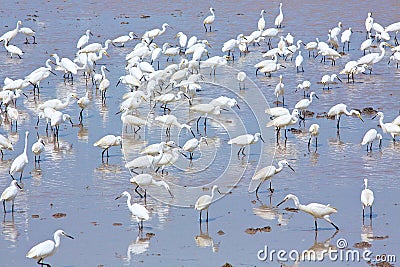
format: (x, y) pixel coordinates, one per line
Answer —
(124, 194)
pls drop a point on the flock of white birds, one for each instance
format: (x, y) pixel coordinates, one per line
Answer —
(180, 82)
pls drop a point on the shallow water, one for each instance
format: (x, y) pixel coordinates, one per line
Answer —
(71, 178)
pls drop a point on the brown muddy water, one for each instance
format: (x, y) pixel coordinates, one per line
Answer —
(73, 190)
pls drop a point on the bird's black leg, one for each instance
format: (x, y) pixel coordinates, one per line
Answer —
(316, 227)
(370, 212)
(334, 225)
(243, 151)
(205, 27)
(270, 186)
(207, 217)
(137, 191)
(4, 206)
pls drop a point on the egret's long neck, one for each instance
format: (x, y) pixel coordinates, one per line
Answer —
(128, 201)
(103, 73)
(311, 98)
(26, 144)
(105, 46)
(212, 193)
(381, 122)
(163, 29)
(157, 158)
(382, 48)
(297, 203)
(57, 58)
(212, 13)
(57, 239)
(366, 184)
(280, 167)
(347, 112)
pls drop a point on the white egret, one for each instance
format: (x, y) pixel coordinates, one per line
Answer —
(261, 21)
(314, 132)
(209, 19)
(336, 31)
(340, 109)
(345, 38)
(327, 80)
(367, 198)
(83, 103)
(289, 39)
(104, 84)
(192, 144)
(108, 141)
(123, 39)
(15, 84)
(155, 32)
(19, 163)
(170, 120)
(369, 21)
(13, 115)
(396, 58)
(28, 32)
(394, 27)
(56, 103)
(84, 39)
(168, 98)
(299, 62)
(5, 143)
(146, 161)
(271, 67)
(241, 77)
(137, 210)
(213, 62)
(366, 45)
(279, 18)
(267, 173)
(46, 248)
(182, 39)
(270, 33)
(204, 202)
(389, 128)
(284, 121)
(318, 211)
(230, 45)
(145, 180)
(277, 111)
(154, 149)
(245, 140)
(9, 194)
(66, 65)
(12, 49)
(171, 51)
(46, 113)
(369, 138)
(280, 90)
(94, 47)
(303, 104)
(224, 102)
(56, 119)
(205, 109)
(8, 36)
(305, 85)
(373, 58)
(38, 148)
(311, 46)
(129, 119)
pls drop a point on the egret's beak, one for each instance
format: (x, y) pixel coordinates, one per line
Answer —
(192, 133)
(208, 44)
(143, 98)
(316, 96)
(105, 53)
(68, 236)
(18, 186)
(52, 72)
(290, 50)
(238, 106)
(117, 83)
(283, 66)
(91, 33)
(186, 96)
(25, 95)
(107, 69)
(281, 202)
(206, 142)
(118, 112)
(118, 197)
(339, 79)
(72, 124)
(291, 168)
(262, 139)
(225, 109)
(359, 116)
(183, 154)
(43, 142)
(303, 44)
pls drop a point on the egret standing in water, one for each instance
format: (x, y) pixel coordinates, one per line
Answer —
(5, 143)
(137, 210)
(280, 90)
(314, 132)
(303, 104)
(46, 248)
(192, 144)
(144, 180)
(108, 141)
(389, 128)
(340, 109)
(284, 121)
(318, 211)
(38, 148)
(279, 18)
(267, 173)
(369, 138)
(367, 198)
(241, 76)
(204, 202)
(19, 163)
(209, 19)
(9, 194)
(244, 140)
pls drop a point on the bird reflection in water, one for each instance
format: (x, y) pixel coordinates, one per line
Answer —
(9, 230)
(139, 245)
(204, 240)
(316, 252)
(269, 212)
(83, 133)
(367, 233)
